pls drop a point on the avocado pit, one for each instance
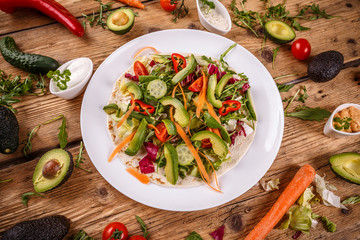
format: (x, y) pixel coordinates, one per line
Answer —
(120, 19)
(51, 168)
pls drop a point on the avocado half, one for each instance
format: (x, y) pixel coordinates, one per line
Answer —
(9, 131)
(121, 21)
(279, 32)
(346, 166)
(52, 170)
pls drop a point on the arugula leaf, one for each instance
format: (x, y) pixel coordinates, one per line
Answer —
(311, 114)
(25, 197)
(210, 4)
(62, 134)
(193, 236)
(7, 180)
(275, 51)
(143, 226)
(244, 19)
(284, 88)
(223, 63)
(304, 96)
(351, 200)
(80, 158)
(98, 19)
(179, 12)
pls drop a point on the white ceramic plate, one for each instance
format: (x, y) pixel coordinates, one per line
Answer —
(247, 172)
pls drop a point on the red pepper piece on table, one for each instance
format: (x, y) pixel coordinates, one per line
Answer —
(140, 69)
(229, 106)
(178, 61)
(143, 108)
(197, 85)
(162, 134)
(50, 8)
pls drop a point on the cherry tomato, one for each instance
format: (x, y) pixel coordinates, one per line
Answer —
(140, 69)
(111, 227)
(137, 237)
(162, 134)
(197, 85)
(301, 49)
(167, 6)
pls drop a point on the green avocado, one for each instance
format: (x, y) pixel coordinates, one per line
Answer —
(346, 166)
(9, 131)
(171, 167)
(121, 21)
(46, 228)
(279, 32)
(218, 145)
(138, 139)
(52, 170)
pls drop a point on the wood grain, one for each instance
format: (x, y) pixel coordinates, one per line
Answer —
(91, 203)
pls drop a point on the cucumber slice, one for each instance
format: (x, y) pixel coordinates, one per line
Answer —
(184, 155)
(279, 32)
(170, 126)
(157, 88)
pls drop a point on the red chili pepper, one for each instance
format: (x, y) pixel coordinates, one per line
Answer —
(197, 85)
(162, 134)
(143, 108)
(50, 8)
(178, 60)
(229, 106)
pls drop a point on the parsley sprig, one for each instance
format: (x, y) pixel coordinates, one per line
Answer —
(208, 4)
(60, 79)
(12, 88)
(342, 123)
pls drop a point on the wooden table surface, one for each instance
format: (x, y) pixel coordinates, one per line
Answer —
(91, 203)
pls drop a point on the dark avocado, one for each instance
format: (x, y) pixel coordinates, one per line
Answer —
(52, 170)
(325, 66)
(9, 131)
(47, 228)
(121, 21)
(346, 166)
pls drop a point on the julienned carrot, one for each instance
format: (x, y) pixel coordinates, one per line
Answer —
(216, 131)
(127, 114)
(141, 177)
(202, 95)
(183, 94)
(203, 173)
(120, 146)
(153, 127)
(144, 48)
(212, 111)
(292, 192)
(133, 3)
(212, 166)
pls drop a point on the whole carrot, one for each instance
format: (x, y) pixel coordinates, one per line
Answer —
(292, 192)
(133, 3)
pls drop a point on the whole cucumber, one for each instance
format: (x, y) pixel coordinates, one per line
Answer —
(32, 63)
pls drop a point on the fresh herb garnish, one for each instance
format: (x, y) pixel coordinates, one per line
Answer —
(284, 88)
(245, 19)
(7, 180)
(224, 64)
(60, 78)
(179, 12)
(285, 76)
(342, 123)
(351, 200)
(143, 226)
(306, 113)
(80, 158)
(10, 89)
(210, 4)
(193, 236)
(62, 134)
(275, 51)
(304, 96)
(98, 19)
(25, 197)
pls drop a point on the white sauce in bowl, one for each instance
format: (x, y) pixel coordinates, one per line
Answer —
(214, 18)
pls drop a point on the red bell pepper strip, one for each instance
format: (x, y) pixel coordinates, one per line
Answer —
(178, 61)
(50, 8)
(143, 108)
(229, 106)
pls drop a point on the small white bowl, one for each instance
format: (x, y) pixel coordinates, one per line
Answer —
(74, 91)
(329, 129)
(220, 9)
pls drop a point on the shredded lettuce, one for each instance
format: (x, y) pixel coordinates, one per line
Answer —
(328, 197)
(128, 127)
(270, 185)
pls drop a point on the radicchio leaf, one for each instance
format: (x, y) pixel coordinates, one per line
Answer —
(132, 77)
(152, 150)
(218, 234)
(146, 165)
(239, 130)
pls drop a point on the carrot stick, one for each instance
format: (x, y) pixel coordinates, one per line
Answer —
(216, 131)
(141, 177)
(212, 111)
(182, 92)
(127, 114)
(216, 181)
(153, 127)
(202, 95)
(144, 48)
(292, 192)
(120, 146)
(133, 3)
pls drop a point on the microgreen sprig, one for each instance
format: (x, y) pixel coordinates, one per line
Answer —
(80, 158)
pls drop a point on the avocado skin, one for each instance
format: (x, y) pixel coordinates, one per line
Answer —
(325, 66)
(46, 228)
(9, 131)
(338, 171)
